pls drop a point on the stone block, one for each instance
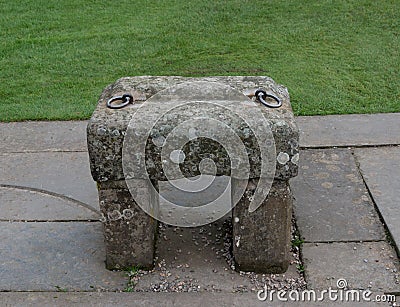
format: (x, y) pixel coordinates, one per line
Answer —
(129, 232)
(179, 128)
(262, 239)
(107, 127)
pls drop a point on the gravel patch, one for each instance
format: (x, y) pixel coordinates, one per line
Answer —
(200, 260)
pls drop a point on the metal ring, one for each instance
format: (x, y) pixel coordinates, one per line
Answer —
(261, 95)
(126, 98)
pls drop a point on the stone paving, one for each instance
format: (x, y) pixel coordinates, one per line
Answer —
(346, 210)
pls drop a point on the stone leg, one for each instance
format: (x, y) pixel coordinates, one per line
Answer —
(262, 239)
(129, 232)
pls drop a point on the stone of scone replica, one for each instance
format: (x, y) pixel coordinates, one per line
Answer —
(261, 238)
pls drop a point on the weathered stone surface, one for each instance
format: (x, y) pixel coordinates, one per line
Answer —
(195, 121)
(24, 204)
(381, 170)
(367, 265)
(261, 239)
(331, 201)
(129, 232)
(63, 173)
(55, 257)
(107, 127)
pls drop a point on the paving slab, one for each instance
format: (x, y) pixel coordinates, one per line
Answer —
(63, 173)
(55, 256)
(331, 200)
(380, 168)
(43, 136)
(22, 204)
(349, 130)
(367, 265)
(157, 299)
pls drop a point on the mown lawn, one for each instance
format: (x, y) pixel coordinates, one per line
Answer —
(334, 56)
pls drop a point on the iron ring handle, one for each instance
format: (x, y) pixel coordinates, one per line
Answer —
(261, 95)
(126, 98)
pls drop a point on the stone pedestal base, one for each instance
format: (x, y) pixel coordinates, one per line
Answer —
(129, 232)
(262, 239)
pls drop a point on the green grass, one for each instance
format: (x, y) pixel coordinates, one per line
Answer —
(297, 242)
(334, 56)
(131, 272)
